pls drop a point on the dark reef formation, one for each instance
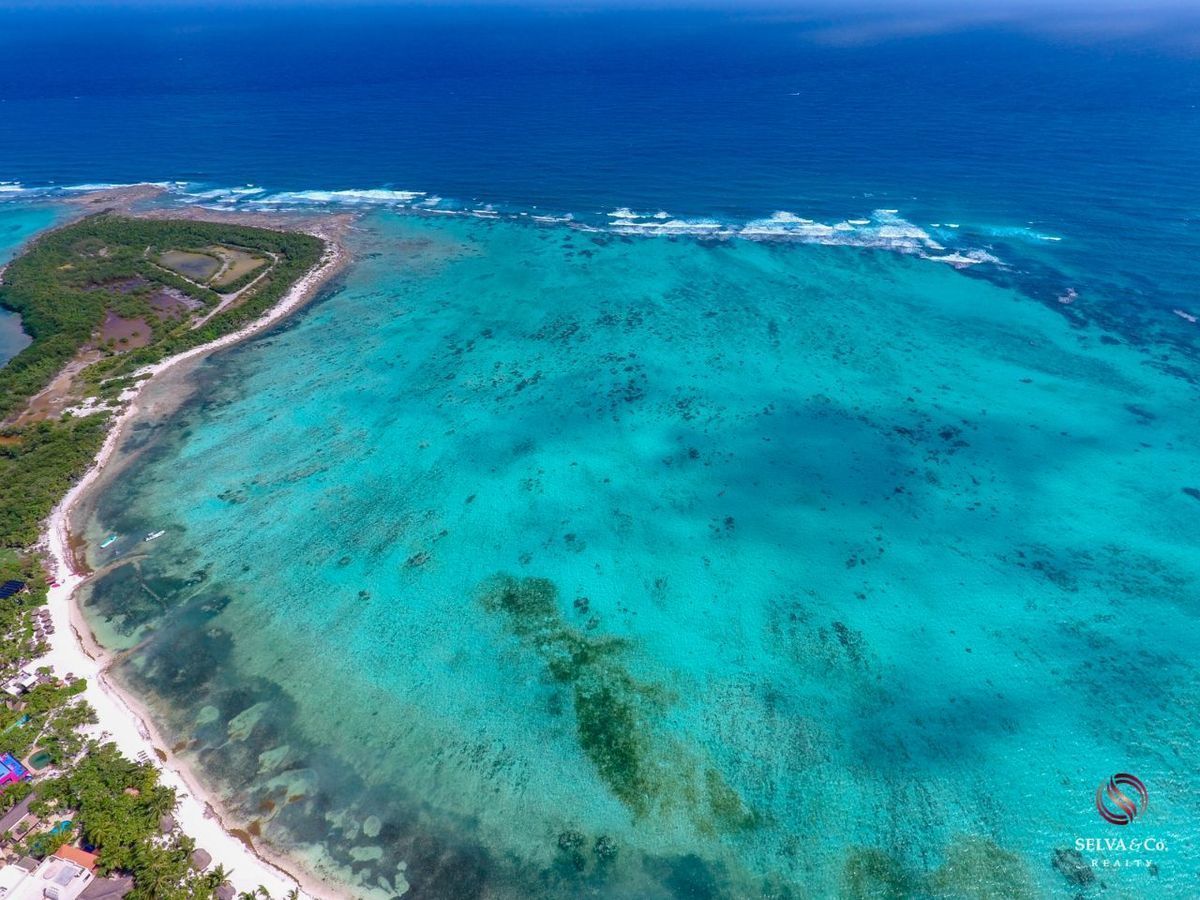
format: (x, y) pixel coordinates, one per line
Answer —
(616, 715)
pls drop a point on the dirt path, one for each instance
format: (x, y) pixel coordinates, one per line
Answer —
(57, 396)
(232, 299)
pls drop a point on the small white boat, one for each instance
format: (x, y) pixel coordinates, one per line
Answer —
(154, 535)
(107, 541)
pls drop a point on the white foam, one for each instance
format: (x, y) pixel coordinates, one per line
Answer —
(625, 213)
(16, 188)
(963, 259)
(782, 216)
(666, 225)
(1022, 233)
(883, 229)
(106, 186)
(226, 194)
(379, 196)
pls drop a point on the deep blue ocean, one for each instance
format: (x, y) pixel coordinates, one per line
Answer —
(752, 453)
(1029, 125)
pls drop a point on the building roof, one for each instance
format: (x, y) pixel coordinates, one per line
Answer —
(77, 856)
(201, 859)
(19, 684)
(11, 765)
(111, 888)
(57, 877)
(10, 877)
(11, 818)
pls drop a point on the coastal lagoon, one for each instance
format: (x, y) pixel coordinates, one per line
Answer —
(18, 223)
(533, 561)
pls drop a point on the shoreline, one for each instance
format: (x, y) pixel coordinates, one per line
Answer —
(122, 719)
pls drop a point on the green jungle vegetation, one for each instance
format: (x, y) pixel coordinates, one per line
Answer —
(95, 295)
(103, 274)
(70, 278)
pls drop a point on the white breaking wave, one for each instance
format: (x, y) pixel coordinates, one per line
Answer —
(16, 190)
(883, 229)
(654, 225)
(372, 196)
(254, 195)
(962, 259)
(105, 186)
(1022, 233)
(625, 213)
(226, 194)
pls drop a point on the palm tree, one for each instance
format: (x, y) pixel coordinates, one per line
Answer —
(160, 876)
(162, 802)
(218, 876)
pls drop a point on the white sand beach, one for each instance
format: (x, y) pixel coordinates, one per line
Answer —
(72, 649)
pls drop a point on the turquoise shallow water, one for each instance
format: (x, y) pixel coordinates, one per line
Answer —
(533, 562)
